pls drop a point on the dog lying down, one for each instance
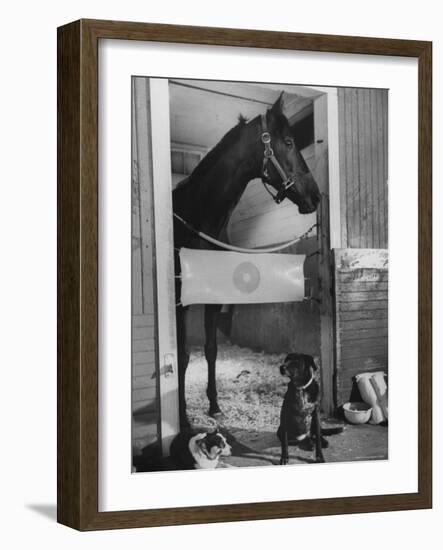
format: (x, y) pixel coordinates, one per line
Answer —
(194, 451)
(300, 413)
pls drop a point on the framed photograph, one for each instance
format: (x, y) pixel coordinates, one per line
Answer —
(244, 275)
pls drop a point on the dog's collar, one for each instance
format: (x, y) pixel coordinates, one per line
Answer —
(301, 388)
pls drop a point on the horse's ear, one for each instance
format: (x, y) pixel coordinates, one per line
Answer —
(277, 108)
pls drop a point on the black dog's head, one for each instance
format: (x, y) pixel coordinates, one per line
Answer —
(299, 367)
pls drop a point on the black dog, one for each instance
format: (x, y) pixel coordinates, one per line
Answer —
(300, 412)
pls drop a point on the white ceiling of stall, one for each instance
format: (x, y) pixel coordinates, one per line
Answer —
(203, 111)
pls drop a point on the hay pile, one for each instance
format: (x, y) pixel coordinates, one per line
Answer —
(249, 384)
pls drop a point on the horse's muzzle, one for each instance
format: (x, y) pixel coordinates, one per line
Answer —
(310, 203)
(308, 207)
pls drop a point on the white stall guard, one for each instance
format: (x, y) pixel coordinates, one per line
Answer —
(217, 277)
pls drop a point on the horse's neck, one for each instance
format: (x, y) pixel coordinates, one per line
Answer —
(211, 199)
(227, 183)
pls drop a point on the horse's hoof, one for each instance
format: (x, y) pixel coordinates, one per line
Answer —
(216, 414)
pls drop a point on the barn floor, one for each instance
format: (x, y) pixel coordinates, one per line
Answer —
(250, 392)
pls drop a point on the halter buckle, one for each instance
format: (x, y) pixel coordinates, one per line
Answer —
(268, 155)
(280, 196)
(289, 183)
(281, 193)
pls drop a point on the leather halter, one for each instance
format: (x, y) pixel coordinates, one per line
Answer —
(269, 156)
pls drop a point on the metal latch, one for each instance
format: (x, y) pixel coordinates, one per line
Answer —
(168, 366)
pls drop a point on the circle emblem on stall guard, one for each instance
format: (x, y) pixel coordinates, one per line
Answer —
(246, 277)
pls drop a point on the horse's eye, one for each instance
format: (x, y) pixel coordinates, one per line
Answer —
(289, 143)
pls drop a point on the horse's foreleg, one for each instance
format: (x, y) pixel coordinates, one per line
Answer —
(182, 360)
(211, 316)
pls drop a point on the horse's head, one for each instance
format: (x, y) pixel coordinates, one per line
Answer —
(284, 167)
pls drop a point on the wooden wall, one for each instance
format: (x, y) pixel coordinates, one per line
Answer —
(363, 136)
(145, 401)
(361, 317)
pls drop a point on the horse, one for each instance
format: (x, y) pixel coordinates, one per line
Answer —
(265, 148)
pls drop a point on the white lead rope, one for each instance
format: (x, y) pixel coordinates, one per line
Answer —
(240, 249)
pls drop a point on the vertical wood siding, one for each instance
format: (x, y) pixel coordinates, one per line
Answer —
(145, 400)
(361, 316)
(363, 135)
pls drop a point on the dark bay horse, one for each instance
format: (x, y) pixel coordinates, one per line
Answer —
(261, 148)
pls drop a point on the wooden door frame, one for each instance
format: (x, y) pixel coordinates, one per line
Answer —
(329, 237)
(164, 263)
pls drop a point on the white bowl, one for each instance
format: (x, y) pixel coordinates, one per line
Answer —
(357, 413)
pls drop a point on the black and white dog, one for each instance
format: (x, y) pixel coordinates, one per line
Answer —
(300, 412)
(193, 451)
